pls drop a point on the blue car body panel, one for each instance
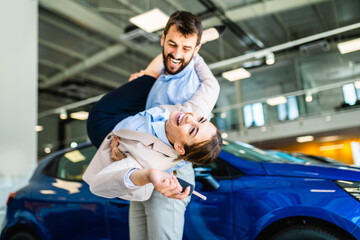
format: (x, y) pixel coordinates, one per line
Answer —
(257, 196)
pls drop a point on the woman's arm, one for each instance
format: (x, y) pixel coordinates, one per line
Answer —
(110, 182)
(206, 96)
(153, 69)
(204, 99)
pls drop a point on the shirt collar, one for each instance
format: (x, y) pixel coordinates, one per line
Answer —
(181, 74)
(159, 129)
(158, 119)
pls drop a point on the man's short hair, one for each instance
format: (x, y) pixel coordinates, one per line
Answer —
(186, 23)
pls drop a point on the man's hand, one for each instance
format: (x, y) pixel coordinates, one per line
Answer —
(167, 184)
(136, 75)
(116, 154)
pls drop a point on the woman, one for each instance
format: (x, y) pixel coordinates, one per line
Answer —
(185, 136)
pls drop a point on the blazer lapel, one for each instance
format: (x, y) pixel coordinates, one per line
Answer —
(147, 139)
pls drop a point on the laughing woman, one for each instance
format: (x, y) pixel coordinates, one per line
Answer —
(152, 141)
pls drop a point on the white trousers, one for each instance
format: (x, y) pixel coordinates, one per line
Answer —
(160, 218)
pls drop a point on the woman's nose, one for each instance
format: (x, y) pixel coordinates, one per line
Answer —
(190, 119)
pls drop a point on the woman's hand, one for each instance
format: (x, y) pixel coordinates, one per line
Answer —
(136, 75)
(167, 184)
(116, 154)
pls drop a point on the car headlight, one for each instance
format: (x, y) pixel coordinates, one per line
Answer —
(353, 188)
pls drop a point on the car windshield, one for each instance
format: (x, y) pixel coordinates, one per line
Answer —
(249, 152)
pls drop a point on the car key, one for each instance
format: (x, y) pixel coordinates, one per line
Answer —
(185, 184)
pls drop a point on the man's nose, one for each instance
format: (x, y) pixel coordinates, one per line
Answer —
(177, 53)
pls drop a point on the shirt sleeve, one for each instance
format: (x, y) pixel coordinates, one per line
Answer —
(127, 179)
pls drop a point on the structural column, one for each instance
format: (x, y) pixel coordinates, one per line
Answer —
(237, 85)
(18, 93)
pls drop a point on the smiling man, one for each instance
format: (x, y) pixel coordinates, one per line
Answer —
(180, 41)
(177, 84)
(157, 214)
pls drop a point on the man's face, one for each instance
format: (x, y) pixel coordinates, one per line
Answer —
(178, 50)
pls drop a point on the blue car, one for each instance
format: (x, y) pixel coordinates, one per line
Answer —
(304, 158)
(250, 195)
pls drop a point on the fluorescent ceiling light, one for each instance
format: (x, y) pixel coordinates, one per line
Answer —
(349, 46)
(236, 74)
(82, 115)
(210, 34)
(276, 100)
(331, 147)
(151, 21)
(302, 139)
(329, 138)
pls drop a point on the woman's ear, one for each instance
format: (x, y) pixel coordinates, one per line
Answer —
(179, 148)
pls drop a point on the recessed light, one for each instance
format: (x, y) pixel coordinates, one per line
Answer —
(276, 100)
(151, 21)
(349, 46)
(302, 139)
(82, 115)
(236, 74)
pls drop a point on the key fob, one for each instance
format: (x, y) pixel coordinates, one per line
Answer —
(184, 185)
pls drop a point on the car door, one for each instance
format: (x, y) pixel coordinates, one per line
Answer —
(64, 203)
(212, 218)
(118, 218)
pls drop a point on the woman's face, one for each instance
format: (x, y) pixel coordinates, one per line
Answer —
(188, 128)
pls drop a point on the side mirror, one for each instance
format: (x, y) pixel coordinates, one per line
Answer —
(203, 175)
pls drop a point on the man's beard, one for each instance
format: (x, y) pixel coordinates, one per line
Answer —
(182, 66)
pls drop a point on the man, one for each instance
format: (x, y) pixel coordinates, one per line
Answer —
(161, 217)
(181, 38)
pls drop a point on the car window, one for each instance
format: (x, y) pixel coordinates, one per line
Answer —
(249, 152)
(71, 165)
(220, 169)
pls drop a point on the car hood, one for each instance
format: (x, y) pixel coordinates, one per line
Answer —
(324, 171)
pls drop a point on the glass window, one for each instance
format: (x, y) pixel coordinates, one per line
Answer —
(288, 110)
(349, 94)
(219, 169)
(250, 152)
(281, 109)
(253, 115)
(293, 107)
(258, 114)
(71, 165)
(248, 117)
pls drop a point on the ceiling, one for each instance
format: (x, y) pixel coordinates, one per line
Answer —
(89, 47)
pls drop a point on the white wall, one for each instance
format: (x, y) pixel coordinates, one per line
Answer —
(18, 93)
